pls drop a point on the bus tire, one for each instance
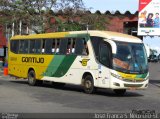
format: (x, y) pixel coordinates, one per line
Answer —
(119, 92)
(88, 85)
(32, 78)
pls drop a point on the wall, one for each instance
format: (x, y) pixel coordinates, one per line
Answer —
(3, 41)
(117, 23)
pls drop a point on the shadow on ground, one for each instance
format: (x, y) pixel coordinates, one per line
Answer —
(76, 88)
(155, 82)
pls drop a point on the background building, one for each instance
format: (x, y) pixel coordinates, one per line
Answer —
(123, 23)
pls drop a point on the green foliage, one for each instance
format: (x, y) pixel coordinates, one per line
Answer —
(95, 21)
(37, 15)
(70, 27)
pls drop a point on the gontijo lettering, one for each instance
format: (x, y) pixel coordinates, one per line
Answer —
(32, 60)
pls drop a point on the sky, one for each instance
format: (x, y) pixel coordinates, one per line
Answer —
(153, 43)
(112, 5)
(122, 6)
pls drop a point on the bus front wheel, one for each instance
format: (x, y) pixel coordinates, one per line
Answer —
(89, 85)
(32, 78)
(120, 91)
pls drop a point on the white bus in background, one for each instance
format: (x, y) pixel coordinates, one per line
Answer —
(148, 50)
(154, 55)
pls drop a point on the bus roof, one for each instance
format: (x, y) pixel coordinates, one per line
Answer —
(105, 34)
(111, 35)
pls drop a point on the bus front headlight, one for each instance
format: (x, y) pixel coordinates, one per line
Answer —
(116, 76)
(147, 78)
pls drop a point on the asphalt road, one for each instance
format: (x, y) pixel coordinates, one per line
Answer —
(16, 96)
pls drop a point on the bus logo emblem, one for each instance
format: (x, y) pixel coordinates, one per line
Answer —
(84, 62)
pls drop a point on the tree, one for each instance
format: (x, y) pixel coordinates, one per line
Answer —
(35, 13)
(127, 13)
(98, 12)
(107, 13)
(117, 13)
(136, 13)
(72, 11)
(95, 21)
(48, 15)
(31, 12)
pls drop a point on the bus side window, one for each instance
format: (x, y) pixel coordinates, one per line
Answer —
(53, 46)
(23, 47)
(48, 46)
(38, 46)
(57, 45)
(81, 47)
(105, 54)
(14, 46)
(32, 46)
(73, 45)
(20, 46)
(43, 45)
(69, 48)
(96, 44)
(85, 48)
(63, 46)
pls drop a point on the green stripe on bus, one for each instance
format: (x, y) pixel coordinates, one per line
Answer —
(64, 66)
(54, 65)
(61, 63)
(141, 76)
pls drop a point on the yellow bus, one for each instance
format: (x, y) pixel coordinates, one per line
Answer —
(93, 59)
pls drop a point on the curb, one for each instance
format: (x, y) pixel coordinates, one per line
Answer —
(1, 72)
(158, 85)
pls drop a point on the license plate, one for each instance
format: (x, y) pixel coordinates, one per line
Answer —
(132, 88)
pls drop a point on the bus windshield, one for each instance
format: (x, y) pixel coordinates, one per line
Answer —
(130, 58)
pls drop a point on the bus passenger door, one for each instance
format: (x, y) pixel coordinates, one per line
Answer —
(105, 65)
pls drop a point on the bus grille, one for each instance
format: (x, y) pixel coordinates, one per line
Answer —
(131, 80)
(133, 85)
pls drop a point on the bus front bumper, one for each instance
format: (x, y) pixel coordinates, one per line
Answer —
(132, 85)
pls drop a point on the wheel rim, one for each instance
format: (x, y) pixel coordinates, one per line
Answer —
(31, 78)
(88, 85)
